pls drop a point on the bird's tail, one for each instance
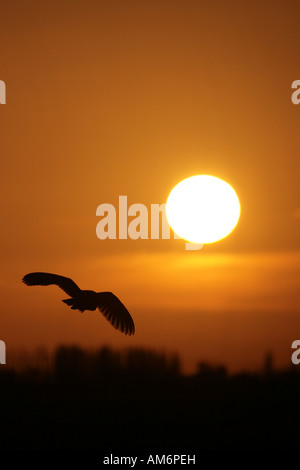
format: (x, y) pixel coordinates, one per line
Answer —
(69, 302)
(73, 303)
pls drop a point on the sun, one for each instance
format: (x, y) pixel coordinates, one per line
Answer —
(203, 209)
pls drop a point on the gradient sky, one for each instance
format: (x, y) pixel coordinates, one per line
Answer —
(109, 98)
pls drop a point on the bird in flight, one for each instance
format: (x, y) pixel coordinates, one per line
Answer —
(108, 304)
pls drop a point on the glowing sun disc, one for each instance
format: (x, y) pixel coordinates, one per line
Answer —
(203, 209)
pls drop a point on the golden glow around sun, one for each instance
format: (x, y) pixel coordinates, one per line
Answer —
(203, 209)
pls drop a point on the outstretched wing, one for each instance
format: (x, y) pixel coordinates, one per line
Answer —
(46, 279)
(115, 312)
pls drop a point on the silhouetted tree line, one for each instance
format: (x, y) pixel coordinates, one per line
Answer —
(138, 366)
(73, 363)
(139, 399)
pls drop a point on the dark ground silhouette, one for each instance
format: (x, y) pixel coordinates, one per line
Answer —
(138, 400)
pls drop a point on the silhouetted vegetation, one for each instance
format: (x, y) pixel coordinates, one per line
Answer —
(137, 400)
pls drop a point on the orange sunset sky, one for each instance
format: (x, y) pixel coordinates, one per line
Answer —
(109, 98)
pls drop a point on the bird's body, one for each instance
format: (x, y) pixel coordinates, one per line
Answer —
(111, 307)
(84, 300)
